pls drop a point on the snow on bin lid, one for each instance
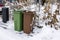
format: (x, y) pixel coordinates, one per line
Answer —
(28, 12)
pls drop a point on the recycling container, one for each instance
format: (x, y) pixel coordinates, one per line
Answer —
(5, 14)
(27, 20)
(18, 20)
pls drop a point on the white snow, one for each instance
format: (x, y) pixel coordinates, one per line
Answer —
(46, 33)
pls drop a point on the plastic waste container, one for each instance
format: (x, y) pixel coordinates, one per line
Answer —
(27, 21)
(18, 20)
(5, 14)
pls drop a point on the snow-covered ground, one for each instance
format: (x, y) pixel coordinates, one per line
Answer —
(46, 33)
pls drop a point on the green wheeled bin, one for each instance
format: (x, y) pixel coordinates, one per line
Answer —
(18, 20)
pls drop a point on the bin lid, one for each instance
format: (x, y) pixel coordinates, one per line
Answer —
(18, 11)
(28, 12)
